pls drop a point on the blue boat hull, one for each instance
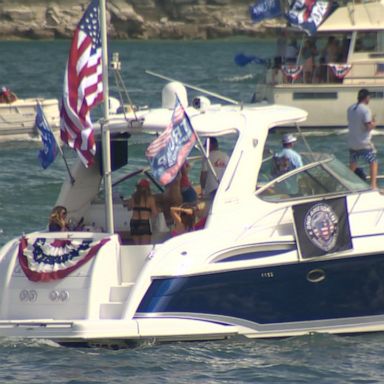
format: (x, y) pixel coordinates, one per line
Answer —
(300, 292)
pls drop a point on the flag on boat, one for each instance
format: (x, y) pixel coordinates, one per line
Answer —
(322, 227)
(83, 85)
(168, 152)
(265, 9)
(48, 153)
(45, 260)
(308, 14)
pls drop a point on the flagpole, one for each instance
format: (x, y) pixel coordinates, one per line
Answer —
(105, 133)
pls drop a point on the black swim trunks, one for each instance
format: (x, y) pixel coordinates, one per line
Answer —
(140, 227)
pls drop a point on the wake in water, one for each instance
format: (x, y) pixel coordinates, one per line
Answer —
(240, 78)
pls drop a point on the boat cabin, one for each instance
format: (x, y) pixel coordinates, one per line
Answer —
(320, 176)
(328, 69)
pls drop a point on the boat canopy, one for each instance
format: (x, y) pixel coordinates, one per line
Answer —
(357, 17)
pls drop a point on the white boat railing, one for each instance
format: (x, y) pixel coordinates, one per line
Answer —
(333, 73)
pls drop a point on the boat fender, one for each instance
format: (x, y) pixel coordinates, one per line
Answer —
(201, 103)
(169, 92)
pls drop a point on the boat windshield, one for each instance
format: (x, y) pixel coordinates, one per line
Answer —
(321, 174)
(126, 177)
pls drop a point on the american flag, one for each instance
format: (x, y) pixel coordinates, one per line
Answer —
(83, 86)
(168, 152)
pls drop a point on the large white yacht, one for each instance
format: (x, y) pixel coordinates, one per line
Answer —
(280, 254)
(359, 31)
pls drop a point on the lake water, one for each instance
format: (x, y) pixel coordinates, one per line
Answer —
(27, 193)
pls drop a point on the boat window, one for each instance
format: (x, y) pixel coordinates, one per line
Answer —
(325, 177)
(315, 95)
(126, 177)
(376, 94)
(368, 41)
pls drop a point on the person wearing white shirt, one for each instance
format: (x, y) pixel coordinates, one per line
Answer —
(360, 126)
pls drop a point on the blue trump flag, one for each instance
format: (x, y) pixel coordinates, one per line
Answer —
(49, 151)
(309, 15)
(265, 9)
(168, 152)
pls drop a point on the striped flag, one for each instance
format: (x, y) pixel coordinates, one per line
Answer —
(83, 86)
(168, 152)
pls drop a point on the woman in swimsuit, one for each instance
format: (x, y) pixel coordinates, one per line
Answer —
(143, 209)
(184, 218)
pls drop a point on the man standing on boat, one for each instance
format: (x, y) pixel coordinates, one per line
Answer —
(292, 158)
(360, 126)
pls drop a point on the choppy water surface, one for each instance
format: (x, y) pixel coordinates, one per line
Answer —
(27, 194)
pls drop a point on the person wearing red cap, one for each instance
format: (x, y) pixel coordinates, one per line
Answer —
(143, 209)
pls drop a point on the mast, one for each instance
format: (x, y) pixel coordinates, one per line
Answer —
(105, 132)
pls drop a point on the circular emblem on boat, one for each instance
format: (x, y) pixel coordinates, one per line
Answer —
(320, 224)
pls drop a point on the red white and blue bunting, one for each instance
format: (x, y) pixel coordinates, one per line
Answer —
(292, 71)
(45, 259)
(340, 70)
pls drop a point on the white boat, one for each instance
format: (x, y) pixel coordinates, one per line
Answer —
(17, 119)
(361, 27)
(279, 256)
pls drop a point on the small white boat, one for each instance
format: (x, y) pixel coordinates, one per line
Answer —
(279, 256)
(360, 29)
(17, 119)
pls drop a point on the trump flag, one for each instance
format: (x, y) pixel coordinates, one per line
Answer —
(167, 153)
(265, 9)
(48, 153)
(83, 86)
(309, 14)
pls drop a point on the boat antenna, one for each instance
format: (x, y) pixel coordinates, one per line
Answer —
(116, 66)
(213, 94)
(104, 123)
(304, 139)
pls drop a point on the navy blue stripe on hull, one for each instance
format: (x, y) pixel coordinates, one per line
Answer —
(351, 287)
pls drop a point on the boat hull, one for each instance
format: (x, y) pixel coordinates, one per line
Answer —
(326, 104)
(343, 295)
(17, 119)
(338, 296)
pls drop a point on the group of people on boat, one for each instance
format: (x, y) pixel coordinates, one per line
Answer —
(314, 61)
(183, 207)
(180, 201)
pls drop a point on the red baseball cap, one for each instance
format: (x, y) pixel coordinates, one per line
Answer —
(144, 183)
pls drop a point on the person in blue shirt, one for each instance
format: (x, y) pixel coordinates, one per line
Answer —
(288, 142)
(284, 161)
(287, 159)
